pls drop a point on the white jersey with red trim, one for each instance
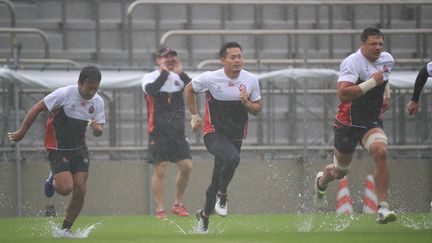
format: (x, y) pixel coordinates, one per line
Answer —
(366, 109)
(68, 119)
(224, 111)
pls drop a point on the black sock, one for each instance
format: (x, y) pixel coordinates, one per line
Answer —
(66, 224)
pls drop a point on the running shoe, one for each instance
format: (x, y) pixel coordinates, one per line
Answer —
(202, 223)
(385, 215)
(180, 210)
(49, 186)
(221, 206)
(161, 215)
(320, 199)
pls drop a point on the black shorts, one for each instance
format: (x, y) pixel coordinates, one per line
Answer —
(172, 149)
(69, 160)
(346, 137)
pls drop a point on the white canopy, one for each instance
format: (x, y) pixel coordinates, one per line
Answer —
(53, 79)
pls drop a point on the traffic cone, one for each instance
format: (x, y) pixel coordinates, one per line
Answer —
(370, 201)
(344, 202)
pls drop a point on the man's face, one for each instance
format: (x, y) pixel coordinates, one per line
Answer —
(233, 61)
(88, 88)
(373, 47)
(168, 60)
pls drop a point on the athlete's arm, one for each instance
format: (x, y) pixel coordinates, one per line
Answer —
(347, 91)
(422, 76)
(96, 127)
(31, 116)
(420, 82)
(386, 99)
(154, 88)
(189, 97)
(252, 107)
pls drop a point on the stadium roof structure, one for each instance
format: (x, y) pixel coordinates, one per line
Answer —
(52, 79)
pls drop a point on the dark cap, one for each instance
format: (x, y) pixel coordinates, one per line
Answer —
(165, 51)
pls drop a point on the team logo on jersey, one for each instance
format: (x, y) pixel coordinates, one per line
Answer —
(91, 109)
(176, 83)
(231, 83)
(242, 87)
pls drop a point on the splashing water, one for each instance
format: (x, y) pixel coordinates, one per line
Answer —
(171, 222)
(57, 232)
(425, 224)
(305, 225)
(329, 224)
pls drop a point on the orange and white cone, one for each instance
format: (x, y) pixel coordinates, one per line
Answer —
(344, 202)
(370, 201)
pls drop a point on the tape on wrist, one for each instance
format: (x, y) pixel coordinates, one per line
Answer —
(368, 85)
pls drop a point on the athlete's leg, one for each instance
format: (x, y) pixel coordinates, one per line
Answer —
(77, 200)
(375, 142)
(213, 188)
(63, 183)
(184, 168)
(337, 170)
(158, 184)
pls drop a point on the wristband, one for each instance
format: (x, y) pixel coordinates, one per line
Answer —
(387, 91)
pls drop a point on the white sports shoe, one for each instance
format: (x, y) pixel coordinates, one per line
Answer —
(64, 233)
(320, 199)
(385, 215)
(221, 206)
(202, 223)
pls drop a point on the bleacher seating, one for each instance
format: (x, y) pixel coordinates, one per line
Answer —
(96, 31)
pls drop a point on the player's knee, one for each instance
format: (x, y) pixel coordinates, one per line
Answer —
(186, 167)
(341, 170)
(63, 187)
(234, 161)
(64, 190)
(80, 190)
(376, 142)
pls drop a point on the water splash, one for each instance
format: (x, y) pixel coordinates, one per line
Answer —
(57, 232)
(424, 224)
(305, 225)
(177, 226)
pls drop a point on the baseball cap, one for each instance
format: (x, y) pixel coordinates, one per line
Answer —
(165, 51)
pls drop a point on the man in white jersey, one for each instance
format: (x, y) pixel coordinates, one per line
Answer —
(72, 109)
(231, 93)
(163, 89)
(364, 94)
(424, 73)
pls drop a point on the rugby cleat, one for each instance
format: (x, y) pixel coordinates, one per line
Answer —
(64, 233)
(385, 215)
(202, 223)
(49, 186)
(180, 210)
(161, 215)
(320, 199)
(221, 206)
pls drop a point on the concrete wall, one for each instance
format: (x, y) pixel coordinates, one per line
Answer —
(259, 186)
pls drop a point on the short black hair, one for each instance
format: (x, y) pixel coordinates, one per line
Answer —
(89, 73)
(370, 32)
(223, 50)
